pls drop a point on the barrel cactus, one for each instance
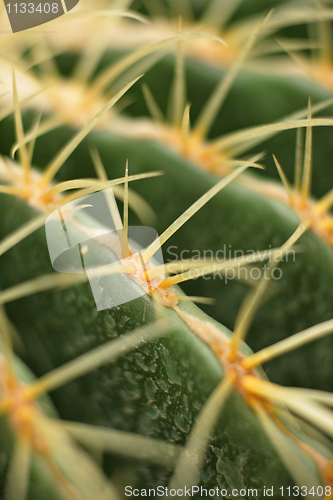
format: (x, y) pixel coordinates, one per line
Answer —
(166, 262)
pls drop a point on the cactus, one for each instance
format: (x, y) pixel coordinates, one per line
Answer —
(147, 389)
(186, 316)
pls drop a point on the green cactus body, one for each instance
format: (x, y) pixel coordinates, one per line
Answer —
(40, 454)
(292, 306)
(162, 392)
(156, 376)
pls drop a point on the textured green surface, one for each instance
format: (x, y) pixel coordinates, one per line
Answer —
(157, 390)
(238, 217)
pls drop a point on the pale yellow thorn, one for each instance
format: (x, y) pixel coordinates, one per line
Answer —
(294, 16)
(93, 185)
(106, 353)
(126, 202)
(217, 14)
(323, 397)
(254, 300)
(98, 165)
(111, 269)
(315, 413)
(111, 202)
(152, 105)
(30, 227)
(325, 36)
(271, 47)
(22, 232)
(284, 181)
(122, 443)
(184, 265)
(73, 16)
(47, 126)
(90, 58)
(186, 124)
(301, 62)
(38, 58)
(239, 163)
(96, 185)
(67, 150)
(298, 115)
(259, 387)
(178, 93)
(10, 170)
(310, 410)
(285, 447)
(55, 280)
(110, 74)
(236, 138)
(216, 100)
(17, 480)
(5, 334)
(45, 59)
(179, 265)
(32, 143)
(298, 161)
(198, 300)
(325, 203)
(178, 223)
(4, 95)
(8, 110)
(193, 456)
(183, 9)
(306, 179)
(12, 190)
(138, 204)
(24, 156)
(290, 344)
(203, 269)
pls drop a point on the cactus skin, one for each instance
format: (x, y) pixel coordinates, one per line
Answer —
(57, 326)
(288, 310)
(40, 455)
(157, 377)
